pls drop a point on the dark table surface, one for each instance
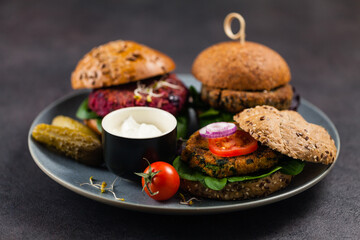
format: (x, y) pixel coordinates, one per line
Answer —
(41, 42)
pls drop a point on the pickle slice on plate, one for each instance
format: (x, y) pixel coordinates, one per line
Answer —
(73, 143)
(63, 121)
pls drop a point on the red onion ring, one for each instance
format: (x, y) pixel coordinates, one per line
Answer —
(218, 129)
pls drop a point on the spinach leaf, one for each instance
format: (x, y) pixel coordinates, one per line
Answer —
(211, 115)
(206, 114)
(186, 172)
(195, 101)
(84, 112)
(245, 178)
(98, 124)
(182, 124)
(289, 166)
(292, 166)
(215, 183)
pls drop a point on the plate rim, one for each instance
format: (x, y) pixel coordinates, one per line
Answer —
(171, 210)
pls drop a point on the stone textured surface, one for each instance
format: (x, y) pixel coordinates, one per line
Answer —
(41, 42)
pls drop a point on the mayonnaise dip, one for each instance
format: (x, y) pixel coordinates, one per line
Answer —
(131, 129)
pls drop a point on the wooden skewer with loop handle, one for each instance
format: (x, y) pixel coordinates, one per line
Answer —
(227, 27)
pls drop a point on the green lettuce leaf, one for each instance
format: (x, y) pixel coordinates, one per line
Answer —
(186, 172)
(84, 112)
(245, 178)
(212, 115)
(209, 113)
(98, 124)
(182, 124)
(206, 114)
(292, 166)
(215, 183)
(195, 102)
(289, 166)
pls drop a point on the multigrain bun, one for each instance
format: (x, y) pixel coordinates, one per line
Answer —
(119, 62)
(283, 136)
(288, 133)
(240, 190)
(248, 66)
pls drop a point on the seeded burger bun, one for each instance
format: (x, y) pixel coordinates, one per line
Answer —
(119, 62)
(114, 71)
(236, 76)
(288, 133)
(281, 135)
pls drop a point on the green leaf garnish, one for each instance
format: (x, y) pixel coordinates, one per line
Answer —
(292, 166)
(98, 124)
(288, 166)
(196, 100)
(212, 115)
(84, 112)
(186, 172)
(182, 124)
(245, 178)
(215, 183)
(209, 113)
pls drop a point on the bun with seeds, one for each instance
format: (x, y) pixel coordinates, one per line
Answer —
(285, 142)
(119, 62)
(288, 133)
(126, 74)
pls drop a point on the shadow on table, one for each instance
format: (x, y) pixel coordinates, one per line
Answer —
(259, 222)
(72, 216)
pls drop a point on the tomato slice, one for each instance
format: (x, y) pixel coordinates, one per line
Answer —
(239, 143)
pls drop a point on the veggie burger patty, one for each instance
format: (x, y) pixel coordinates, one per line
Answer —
(172, 99)
(198, 156)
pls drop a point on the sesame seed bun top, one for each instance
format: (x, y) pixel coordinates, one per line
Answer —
(248, 66)
(288, 133)
(119, 62)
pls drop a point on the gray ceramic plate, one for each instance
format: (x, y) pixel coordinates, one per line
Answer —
(71, 174)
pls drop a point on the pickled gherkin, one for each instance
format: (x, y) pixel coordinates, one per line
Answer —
(76, 144)
(63, 121)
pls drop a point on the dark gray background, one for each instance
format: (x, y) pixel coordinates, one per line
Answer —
(41, 42)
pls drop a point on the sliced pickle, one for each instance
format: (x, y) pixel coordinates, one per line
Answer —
(63, 121)
(72, 143)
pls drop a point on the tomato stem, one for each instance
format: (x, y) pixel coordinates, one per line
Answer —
(148, 177)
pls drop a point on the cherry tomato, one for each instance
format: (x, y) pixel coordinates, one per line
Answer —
(164, 184)
(239, 143)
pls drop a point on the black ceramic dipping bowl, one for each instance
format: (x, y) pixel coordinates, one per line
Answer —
(125, 155)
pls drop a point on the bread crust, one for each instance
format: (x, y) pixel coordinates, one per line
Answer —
(119, 62)
(240, 190)
(235, 101)
(288, 133)
(248, 66)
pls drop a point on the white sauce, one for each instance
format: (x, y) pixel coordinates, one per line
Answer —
(130, 128)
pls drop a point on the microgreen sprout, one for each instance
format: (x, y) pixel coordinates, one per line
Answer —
(103, 187)
(149, 91)
(189, 202)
